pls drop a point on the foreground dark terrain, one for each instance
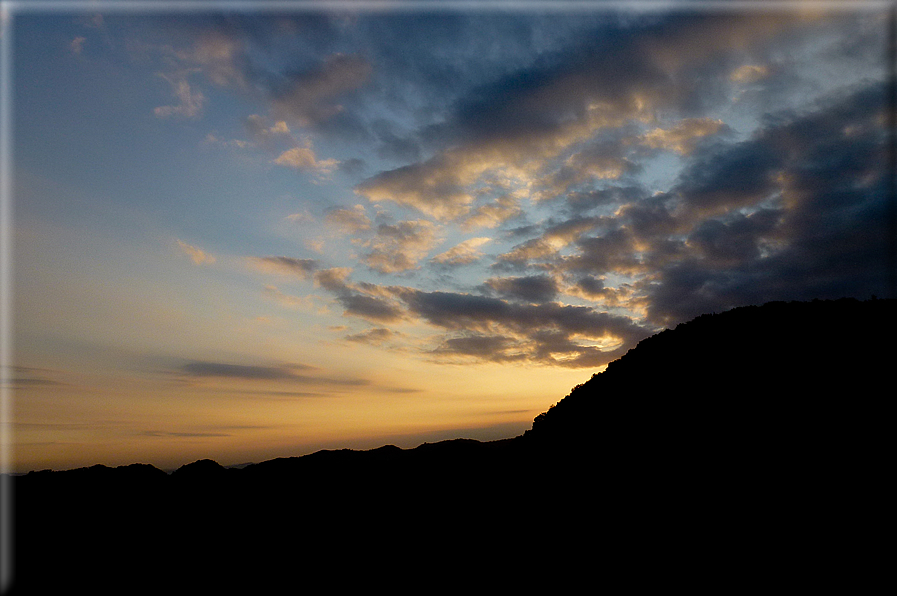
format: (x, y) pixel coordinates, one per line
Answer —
(742, 450)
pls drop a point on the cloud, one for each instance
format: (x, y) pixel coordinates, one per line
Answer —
(301, 217)
(220, 55)
(303, 158)
(374, 336)
(301, 268)
(309, 97)
(264, 134)
(243, 371)
(370, 308)
(211, 139)
(737, 238)
(492, 348)
(463, 253)
(521, 254)
(493, 214)
(537, 123)
(295, 373)
(349, 221)
(288, 300)
(535, 288)
(397, 248)
(182, 435)
(730, 177)
(612, 252)
(437, 187)
(749, 73)
(190, 102)
(795, 212)
(77, 44)
(548, 333)
(684, 135)
(578, 138)
(28, 376)
(553, 239)
(333, 279)
(605, 159)
(625, 296)
(365, 301)
(198, 255)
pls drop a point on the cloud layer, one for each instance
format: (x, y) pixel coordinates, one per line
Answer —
(595, 180)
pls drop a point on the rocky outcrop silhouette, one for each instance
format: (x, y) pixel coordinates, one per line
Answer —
(735, 450)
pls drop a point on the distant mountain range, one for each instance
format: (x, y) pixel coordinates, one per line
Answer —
(744, 450)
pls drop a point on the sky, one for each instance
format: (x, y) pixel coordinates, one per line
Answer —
(282, 228)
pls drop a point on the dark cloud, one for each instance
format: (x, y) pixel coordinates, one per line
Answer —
(333, 279)
(650, 217)
(816, 188)
(241, 371)
(737, 239)
(535, 288)
(549, 333)
(370, 308)
(28, 376)
(455, 311)
(612, 252)
(366, 301)
(251, 372)
(372, 336)
(591, 286)
(730, 176)
(494, 348)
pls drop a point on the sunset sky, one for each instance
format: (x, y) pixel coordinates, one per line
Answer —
(264, 232)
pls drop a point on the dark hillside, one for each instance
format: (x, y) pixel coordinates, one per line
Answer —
(761, 436)
(790, 366)
(736, 450)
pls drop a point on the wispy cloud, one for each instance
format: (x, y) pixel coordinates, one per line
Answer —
(464, 253)
(301, 268)
(292, 374)
(197, 255)
(190, 101)
(304, 158)
(290, 301)
(375, 336)
(77, 44)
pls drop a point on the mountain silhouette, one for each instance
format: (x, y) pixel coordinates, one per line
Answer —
(744, 450)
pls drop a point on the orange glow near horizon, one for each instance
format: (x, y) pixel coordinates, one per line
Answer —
(61, 427)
